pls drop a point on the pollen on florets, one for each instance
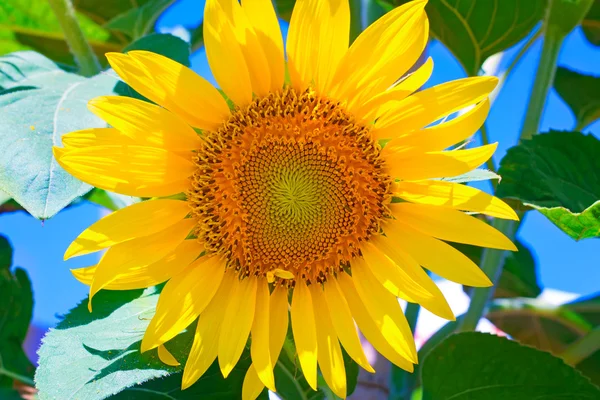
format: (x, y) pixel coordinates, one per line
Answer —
(289, 183)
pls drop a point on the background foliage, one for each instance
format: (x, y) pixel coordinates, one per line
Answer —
(49, 72)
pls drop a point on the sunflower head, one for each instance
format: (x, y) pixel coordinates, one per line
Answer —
(288, 203)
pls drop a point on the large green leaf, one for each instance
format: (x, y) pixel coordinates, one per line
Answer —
(479, 366)
(31, 24)
(550, 328)
(558, 174)
(519, 274)
(474, 30)
(39, 103)
(582, 94)
(591, 24)
(16, 307)
(97, 355)
(102, 11)
(139, 21)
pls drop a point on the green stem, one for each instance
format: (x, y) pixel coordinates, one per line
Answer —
(515, 61)
(84, 56)
(355, 19)
(582, 348)
(492, 262)
(544, 78)
(485, 139)
(401, 382)
(22, 378)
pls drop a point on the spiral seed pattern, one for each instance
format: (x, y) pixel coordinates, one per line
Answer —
(291, 182)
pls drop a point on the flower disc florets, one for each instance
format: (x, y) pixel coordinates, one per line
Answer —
(290, 183)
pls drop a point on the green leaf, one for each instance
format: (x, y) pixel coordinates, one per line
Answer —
(548, 327)
(95, 355)
(39, 103)
(102, 11)
(558, 174)
(474, 176)
(284, 8)
(139, 21)
(474, 366)
(32, 25)
(519, 273)
(591, 24)
(3, 197)
(16, 308)
(289, 379)
(165, 44)
(474, 30)
(9, 394)
(564, 15)
(581, 93)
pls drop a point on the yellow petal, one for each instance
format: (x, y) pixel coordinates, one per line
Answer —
(331, 361)
(451, 225)
(453, 195)
(263, 19)
(381, 54)
(252, 386)
(279, 321)
(125, 259)
(317, 41)
(225, 54)
(137, 220)
(341, 317)
(166, 357)
(384, 101)
(237, 323)
(131, 170)
(182, 299)
(369, 327)
(252, 50)
(403, 277)
(85, 275)
(278, 327)
(206, 338)
(259, 350)
(143, 276)
(385, 310)
(437, 256)
(94, 137)
(173, 86)
(446, 134)
(429, 105)
(414, 165)
(146, 124)
(305, 332)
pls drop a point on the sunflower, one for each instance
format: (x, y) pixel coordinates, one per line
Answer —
(312, 186)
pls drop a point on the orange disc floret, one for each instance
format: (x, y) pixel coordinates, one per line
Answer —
(291, 182)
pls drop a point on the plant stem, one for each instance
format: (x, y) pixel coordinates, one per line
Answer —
(402, 382)
(544, 78)
(492, 262)
(582, 348)
(355, 19)
(22, 378)
(79, 46)
(485, 139)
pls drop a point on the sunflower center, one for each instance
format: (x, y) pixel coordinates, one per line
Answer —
(290, 183)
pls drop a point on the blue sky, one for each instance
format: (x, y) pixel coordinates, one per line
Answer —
(563, 263)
